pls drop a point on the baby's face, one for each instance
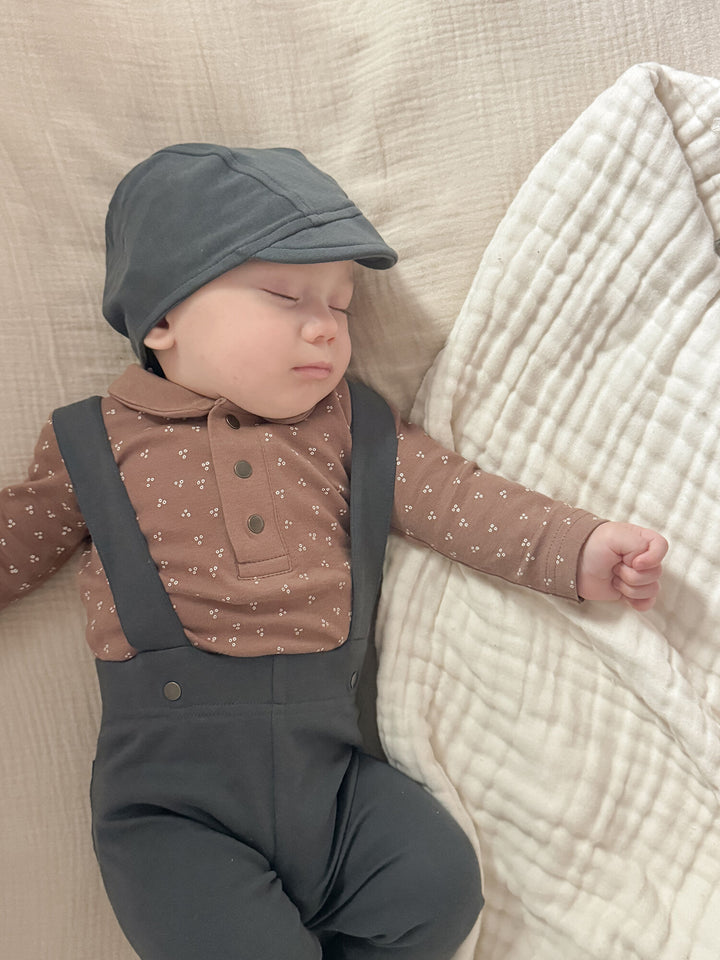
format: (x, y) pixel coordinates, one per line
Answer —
(270, 337)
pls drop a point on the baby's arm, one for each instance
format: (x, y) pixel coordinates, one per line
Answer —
(620, 561)
(40, 523)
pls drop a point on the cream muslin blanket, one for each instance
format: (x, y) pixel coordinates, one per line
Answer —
(579, 744)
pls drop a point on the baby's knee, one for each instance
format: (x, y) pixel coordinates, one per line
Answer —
(447, 894)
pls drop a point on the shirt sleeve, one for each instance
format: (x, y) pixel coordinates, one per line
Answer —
(40, 522)
(484, 521)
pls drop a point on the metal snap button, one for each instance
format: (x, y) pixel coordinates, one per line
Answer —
(172, 690)
(255, 523)
(232, 421)
(243, 469)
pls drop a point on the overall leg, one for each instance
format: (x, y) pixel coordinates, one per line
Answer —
(183, 891)
(409, 885)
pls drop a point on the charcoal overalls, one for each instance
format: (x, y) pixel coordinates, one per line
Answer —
(235, 816)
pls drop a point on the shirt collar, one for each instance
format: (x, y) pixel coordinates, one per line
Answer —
(142, 390)
(146, 392)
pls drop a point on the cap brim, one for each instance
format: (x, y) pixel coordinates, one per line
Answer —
(352, 238)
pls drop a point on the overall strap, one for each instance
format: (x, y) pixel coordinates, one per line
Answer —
(143, 605)
(372, 492)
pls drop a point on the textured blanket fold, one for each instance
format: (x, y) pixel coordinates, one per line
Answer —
(580, 745)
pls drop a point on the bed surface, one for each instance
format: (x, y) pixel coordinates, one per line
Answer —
(432, 117)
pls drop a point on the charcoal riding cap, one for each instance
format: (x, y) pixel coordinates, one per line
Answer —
(191, 212)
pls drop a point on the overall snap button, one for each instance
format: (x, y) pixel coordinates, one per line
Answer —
(243, 469)
(232, 421)
(255, 523)
(172, 690)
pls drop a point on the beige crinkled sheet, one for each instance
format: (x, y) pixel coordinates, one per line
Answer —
(580, 746)
(582, 753)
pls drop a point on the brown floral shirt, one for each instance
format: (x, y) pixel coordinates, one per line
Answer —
(247, 519)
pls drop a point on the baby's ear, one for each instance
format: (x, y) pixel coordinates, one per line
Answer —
(161, 337)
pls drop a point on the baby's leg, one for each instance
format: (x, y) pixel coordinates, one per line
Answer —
(409, 886)
(182, 891)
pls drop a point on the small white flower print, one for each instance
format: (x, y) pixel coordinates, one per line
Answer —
(463, 522)
(503, 494)
(183, 454)
(213, 614)
(144, 454)
(285, 588)
(161, 502)
(199, 539)
(432, 515)
(280, 493)
(268, 436)
(500, 554)
(186, 513)
(205, 465)
(201, 483)
(281, 462)
(427, 488)
(178, 484)
(492, 528)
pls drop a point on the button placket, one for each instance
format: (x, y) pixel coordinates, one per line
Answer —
(247, 494)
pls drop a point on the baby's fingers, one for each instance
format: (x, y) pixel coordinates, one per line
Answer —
(649, 553)
(638, 588)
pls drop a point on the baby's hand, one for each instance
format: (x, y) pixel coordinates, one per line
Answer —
(620, 561)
